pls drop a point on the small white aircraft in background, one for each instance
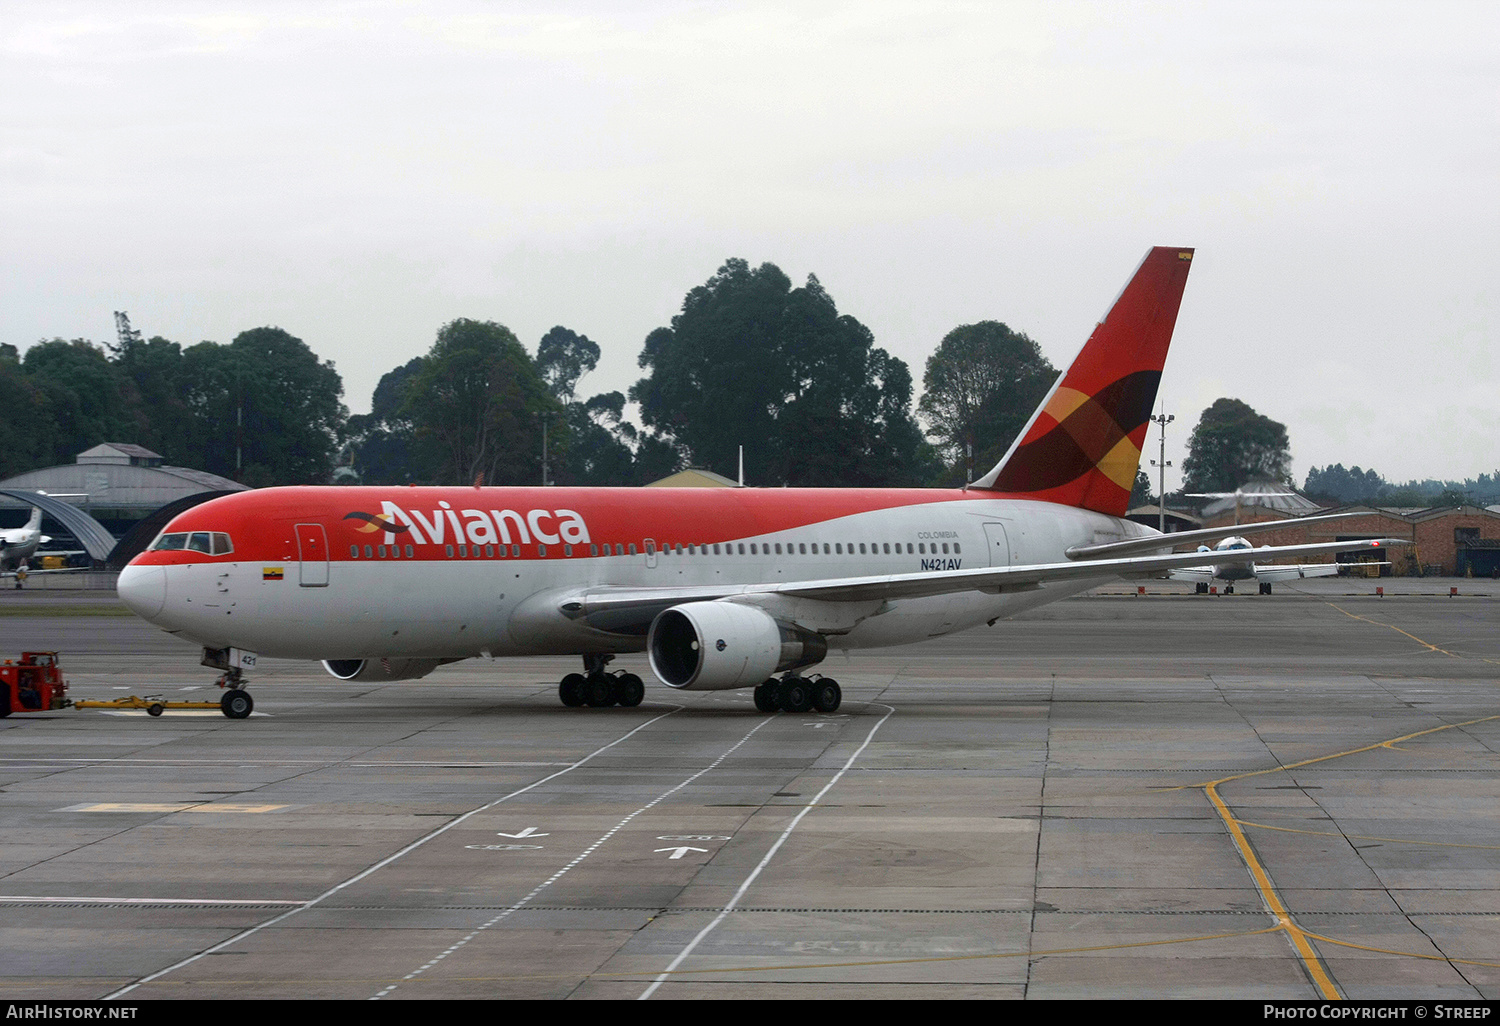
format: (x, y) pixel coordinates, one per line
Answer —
(1264, 573)
(20, 543)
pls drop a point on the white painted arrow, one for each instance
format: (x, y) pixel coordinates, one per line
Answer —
(678, 853)
(528, 832)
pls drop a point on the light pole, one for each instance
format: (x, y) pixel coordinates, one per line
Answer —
(1161, 465)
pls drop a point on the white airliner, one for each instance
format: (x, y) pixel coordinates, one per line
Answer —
(1230, 572)
(722, 588)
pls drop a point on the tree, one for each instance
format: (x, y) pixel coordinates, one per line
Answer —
(1335, 483)
(382, 445)
(267, 395)
(981, 385)
(1140, 494)
(751, 361)
(563, 357)
(84, 400)
(477, 406)
(1233, 444)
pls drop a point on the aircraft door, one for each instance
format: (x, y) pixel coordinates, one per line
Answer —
(651, 552)
(312, 550)
(999, 544)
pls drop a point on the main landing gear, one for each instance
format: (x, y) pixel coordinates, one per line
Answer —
(236, 702)
(795, 694)
(597, 688)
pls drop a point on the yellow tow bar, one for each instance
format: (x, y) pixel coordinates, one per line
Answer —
(153, 704)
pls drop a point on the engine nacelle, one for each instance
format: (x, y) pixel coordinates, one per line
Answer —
(381, 669)
(711, 646)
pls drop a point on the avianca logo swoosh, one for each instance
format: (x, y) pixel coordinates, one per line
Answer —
(376, 522)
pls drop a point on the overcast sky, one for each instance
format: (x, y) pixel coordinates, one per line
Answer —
(361, 173)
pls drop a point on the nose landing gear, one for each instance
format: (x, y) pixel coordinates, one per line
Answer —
(236, 702)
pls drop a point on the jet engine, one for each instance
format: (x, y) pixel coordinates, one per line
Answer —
(711, 646)
(381, 669)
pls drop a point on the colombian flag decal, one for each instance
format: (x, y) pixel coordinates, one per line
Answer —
(271, 573)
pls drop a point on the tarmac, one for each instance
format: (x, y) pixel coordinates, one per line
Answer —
(1116, 796)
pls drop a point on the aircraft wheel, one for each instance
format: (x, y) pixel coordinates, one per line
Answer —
(597, 691)
(4, 701)
(1229, 589)
(1200, 588)
(765, 696)
(156, 709)
(1265, 588)
(795, 695)
(827, 695)
(236, 703)
(570, 690)
(628, 690)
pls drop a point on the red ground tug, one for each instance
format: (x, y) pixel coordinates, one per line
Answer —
(33, 684)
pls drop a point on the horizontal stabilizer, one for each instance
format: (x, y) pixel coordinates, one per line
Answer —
(1159, 542)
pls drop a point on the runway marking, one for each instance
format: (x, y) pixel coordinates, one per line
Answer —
(627, 974)
(1425, 644)
(172, 807)
(1407, 954)
(581, 856)
(1301, 939)
(63, 900)
(419, 842)
(739, 894)
(1366, 837)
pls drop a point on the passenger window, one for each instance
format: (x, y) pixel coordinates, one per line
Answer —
(541, 550)
(515, 550)
(449, 548)
(354, 552)
(922, 549)
(632, 548)
(908, 548)
(593, 550)
(742, 548)
(380, 551)
(567, 550)
(369, 551)
(887, 548)
(861, 548)
(409, 552)
(945, 548)
(489, 552)
(957, 548)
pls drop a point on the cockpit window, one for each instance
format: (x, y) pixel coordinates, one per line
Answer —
(213, 543)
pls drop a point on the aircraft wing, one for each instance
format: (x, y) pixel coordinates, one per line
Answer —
(631, 609)
(1297, 571)
(1207, 536)
(38, 573)
(1193, 574)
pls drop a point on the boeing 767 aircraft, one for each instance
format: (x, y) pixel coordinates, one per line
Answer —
(722, 588)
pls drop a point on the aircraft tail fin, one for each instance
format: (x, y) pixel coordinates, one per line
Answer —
(35, 523)
(1082, 446)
